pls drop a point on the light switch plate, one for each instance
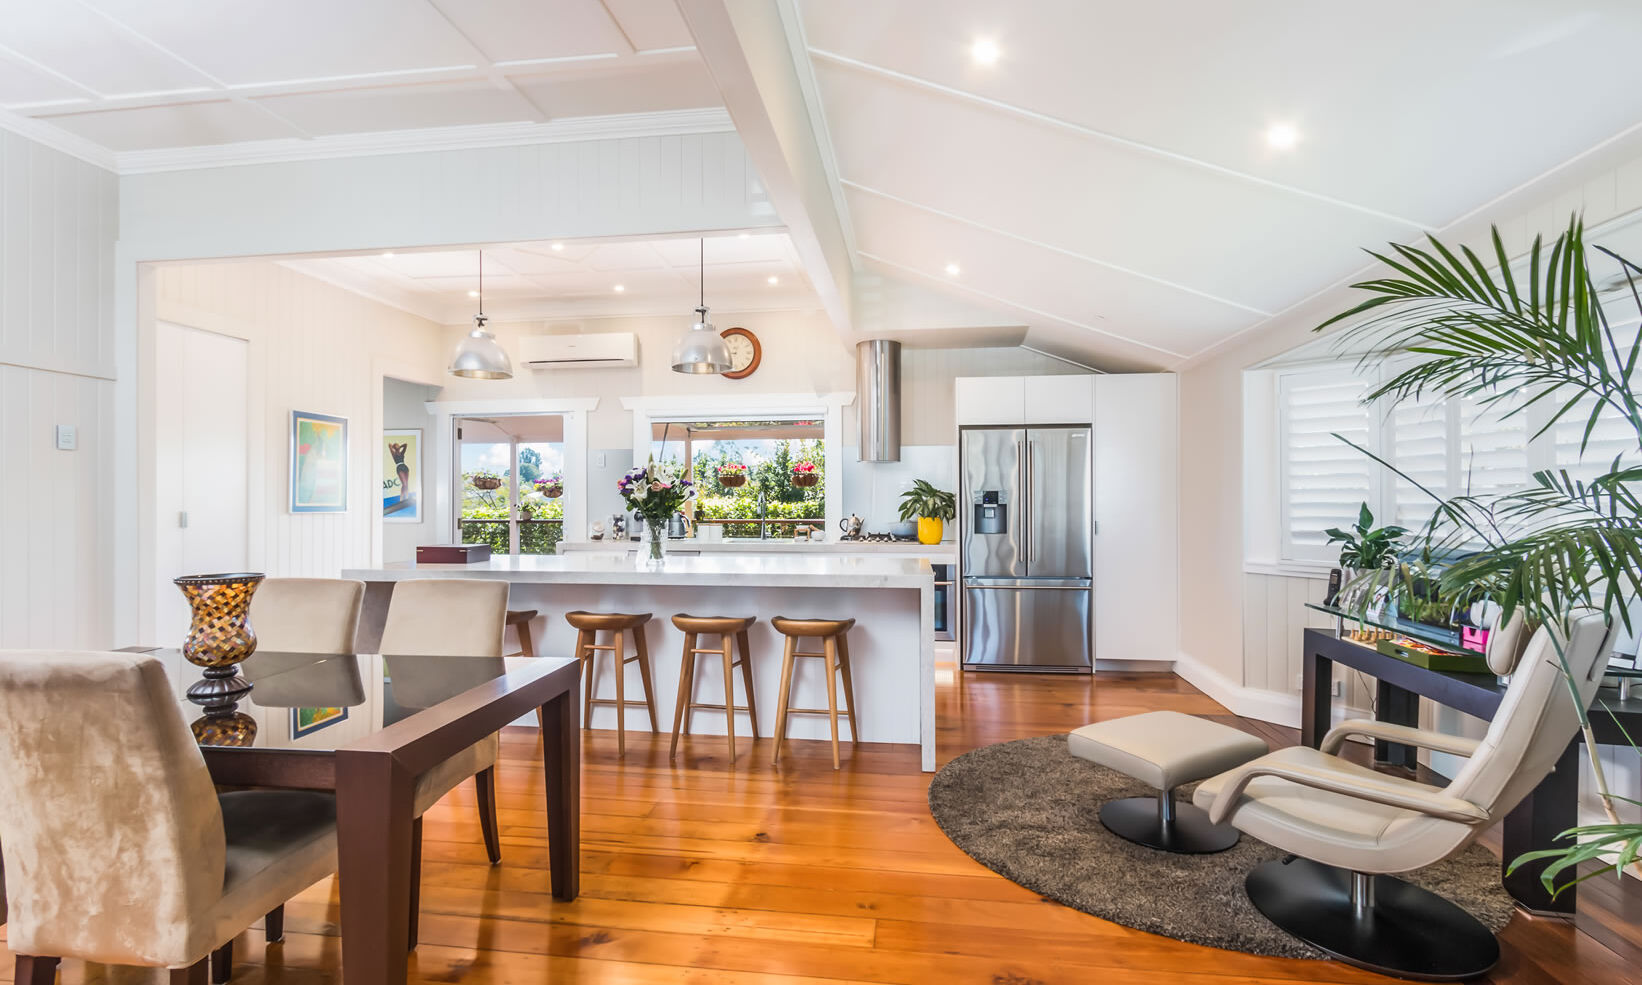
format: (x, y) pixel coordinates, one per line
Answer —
(68, 437)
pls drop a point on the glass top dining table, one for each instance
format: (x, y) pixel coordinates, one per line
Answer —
(365, 726)
(321, 702)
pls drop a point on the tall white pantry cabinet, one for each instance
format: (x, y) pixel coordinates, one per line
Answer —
(1136, 423)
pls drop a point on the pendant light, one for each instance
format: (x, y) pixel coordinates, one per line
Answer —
(480, 356)
(701, 350)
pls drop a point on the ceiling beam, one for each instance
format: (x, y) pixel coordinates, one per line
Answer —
(749, 53)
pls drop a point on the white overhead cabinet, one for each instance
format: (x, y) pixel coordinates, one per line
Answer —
(1135, 423)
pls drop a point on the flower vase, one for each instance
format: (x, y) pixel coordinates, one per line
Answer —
(220, 638)
(656, 534)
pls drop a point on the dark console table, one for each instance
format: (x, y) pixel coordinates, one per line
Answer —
(1552, 808)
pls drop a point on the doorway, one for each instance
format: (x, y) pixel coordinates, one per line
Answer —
(509, 482)
(201, 465)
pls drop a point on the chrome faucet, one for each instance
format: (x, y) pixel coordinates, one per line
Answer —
(763, 509)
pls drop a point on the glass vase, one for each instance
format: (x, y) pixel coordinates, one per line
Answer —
(219, 640)
(656, 534)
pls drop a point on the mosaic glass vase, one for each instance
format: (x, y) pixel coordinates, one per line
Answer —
(220, 638)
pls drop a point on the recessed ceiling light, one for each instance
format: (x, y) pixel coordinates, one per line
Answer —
(952, 270)
(620, 288)
(558, 246)
(984, 51)
(742, 235)
(774, 279)
(388, 255)
(473, 294)
(1282, 136)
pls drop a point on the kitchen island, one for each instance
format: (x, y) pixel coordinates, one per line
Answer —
(891, 599)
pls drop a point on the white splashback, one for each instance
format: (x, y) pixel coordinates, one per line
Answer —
(873, 489)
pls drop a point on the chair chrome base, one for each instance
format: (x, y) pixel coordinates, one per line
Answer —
(1167, 826)
(1375, 922)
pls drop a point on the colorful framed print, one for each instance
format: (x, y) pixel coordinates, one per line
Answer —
(319, 463)
(402, 476)
(306, 721)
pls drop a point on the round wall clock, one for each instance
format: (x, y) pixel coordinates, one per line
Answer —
(745, 353)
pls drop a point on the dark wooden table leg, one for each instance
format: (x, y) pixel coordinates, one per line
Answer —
(373, 821)
(1552, 808)
(33, 970)
(1398, 706)
(1316, 699)
(562, 766)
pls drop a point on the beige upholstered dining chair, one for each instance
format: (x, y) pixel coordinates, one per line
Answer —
(1351, 827)
(120, 849)
(450, 617)
(306, 615)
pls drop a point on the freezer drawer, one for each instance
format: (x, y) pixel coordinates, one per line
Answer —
(1013, 628)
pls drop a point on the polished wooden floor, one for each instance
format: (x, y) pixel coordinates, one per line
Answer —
(697, 873)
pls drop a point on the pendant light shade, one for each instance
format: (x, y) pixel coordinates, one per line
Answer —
(701, 350)
(479, 356)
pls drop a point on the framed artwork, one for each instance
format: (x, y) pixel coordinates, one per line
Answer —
(402, 476)
(319, 463)
(306, 721)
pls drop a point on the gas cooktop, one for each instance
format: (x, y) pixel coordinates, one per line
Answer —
(878, 539)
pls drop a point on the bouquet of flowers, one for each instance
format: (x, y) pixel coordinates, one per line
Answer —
(655, 491)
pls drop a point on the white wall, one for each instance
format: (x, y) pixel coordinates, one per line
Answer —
(58, 224)
(313, 347)
(404, 406)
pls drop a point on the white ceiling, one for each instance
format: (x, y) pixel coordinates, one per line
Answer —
(534, 281)
(145, 76)
(1108, 181)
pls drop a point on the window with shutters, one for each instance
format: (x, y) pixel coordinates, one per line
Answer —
(1587, 451)
(1323, 478)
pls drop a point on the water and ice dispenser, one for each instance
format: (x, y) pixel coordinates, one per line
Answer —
(991, 513)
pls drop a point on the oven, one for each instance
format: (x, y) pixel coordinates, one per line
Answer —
(946, 601)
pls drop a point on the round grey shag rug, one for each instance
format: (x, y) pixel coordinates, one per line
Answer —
(1030, 811)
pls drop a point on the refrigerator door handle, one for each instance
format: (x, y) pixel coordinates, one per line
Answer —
(1073, 584)
(1032, 504)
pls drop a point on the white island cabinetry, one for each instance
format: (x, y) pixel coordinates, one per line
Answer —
(891, 599)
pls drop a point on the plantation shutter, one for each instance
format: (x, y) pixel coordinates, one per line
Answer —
(1613, 435)
(1419, 449)
(1325, 481)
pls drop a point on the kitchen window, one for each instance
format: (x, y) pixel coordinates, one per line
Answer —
(757, 478)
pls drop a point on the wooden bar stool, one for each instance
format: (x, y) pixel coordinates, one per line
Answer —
(733, 631)
(835, 650)
(519, 619)
(588, 625)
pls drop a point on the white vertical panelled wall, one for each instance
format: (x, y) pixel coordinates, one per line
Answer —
(312, 347)
(58, 220)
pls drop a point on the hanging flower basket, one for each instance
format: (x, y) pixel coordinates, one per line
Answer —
(805, 475)
(486, 481)
(551, 488)
(732, 476)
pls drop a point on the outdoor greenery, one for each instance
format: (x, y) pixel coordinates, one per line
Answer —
(485, 514)
(1470, 328)
(772, 476)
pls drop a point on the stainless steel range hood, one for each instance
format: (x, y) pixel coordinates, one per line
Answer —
(878, 399)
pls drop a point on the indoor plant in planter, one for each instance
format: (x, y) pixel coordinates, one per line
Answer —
(655, 491)
(931, 507)
(805, 475)
(732, 475)
(1366, 551)
(551, 486)
(1506, 335)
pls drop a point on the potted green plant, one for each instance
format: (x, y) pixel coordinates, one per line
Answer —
(931, 507)
(1366, 546)
(1505, 335)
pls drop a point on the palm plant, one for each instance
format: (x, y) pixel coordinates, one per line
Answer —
(1470, 329)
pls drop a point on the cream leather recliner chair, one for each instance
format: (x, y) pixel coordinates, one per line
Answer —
(1351, 827)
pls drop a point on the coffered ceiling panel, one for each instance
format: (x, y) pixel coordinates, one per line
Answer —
(185, 125)
(339, 69)
(444, 104)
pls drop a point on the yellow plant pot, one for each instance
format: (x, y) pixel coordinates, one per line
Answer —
(930, 529)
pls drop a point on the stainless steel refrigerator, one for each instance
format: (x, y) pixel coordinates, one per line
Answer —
(1027, 548)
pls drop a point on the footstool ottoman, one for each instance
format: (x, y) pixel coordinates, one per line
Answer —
(1165, 749)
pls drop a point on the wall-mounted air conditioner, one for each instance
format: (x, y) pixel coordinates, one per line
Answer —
(579, 351)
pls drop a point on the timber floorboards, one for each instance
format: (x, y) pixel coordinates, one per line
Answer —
(798, 875)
